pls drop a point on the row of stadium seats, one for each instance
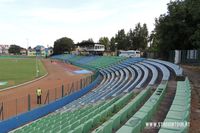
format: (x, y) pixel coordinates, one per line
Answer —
(89, 60)
(104, 61)
(119, 77)
(63, 57)
(128, 71)
(64, 121)
(113, 76)
(97, 62)
(179, 110)
(122, 78)
(137, 122)
(117, 119)
(85, 119)
(177, 69)
(154, 72)
(67, 121)
(116, 79)
(164, 69)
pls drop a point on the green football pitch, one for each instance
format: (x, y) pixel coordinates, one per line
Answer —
(14, 71)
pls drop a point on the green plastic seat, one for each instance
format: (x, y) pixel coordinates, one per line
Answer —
(148, 110)
(126, 129)
(78, 129)
(107, 127)
(87, 126)
(178, 115)
(116, 121)
(180, 108)
(135, 124)
(143, 116)
(65, 129)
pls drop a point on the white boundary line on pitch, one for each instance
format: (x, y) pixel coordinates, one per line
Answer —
(24, 83)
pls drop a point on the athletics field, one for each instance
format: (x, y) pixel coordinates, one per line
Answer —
(15, 71)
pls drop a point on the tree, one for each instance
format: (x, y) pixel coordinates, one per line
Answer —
(144, 37)
(86, 42)
(90, 40)
(29, 48)
(121, 40)
(153, 41)
(113, 46)
(14, 49)
(63, 45)
(105, 41)
(134, 39)
(130, 38)
(139, 37)
(179, 28)
(136, 36)
(193, 20)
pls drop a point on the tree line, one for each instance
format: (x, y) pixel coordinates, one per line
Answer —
(179, 29)
(15, 49)
(133, 39)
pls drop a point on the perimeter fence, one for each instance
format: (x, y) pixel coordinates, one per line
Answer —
(24, 103)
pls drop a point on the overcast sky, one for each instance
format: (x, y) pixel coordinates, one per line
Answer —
(41, 22)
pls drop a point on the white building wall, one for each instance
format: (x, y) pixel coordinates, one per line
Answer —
(4, 49)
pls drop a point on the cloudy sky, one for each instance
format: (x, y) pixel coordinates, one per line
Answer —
(41, 22)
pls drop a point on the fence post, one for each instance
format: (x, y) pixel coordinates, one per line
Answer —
(29, 102)
(68, 88)
(75, 85)
(16, 105)
(77, 88)
(87, 80)
(47, 97)
(1, 112)
(62, 90)
(84, 82)
(55, 93)
(92, 77)
(80, 83)
(72, 88)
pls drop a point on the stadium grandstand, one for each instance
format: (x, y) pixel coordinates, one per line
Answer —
(124, 96)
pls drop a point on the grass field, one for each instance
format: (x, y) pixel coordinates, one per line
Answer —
(16, 71)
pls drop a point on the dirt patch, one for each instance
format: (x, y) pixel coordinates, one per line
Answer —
(15, 101)
(193, 73)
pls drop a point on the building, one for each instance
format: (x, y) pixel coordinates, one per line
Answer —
(90, 48)
(23, 51)
(4, 49)
(40, 50)
(129, 53)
